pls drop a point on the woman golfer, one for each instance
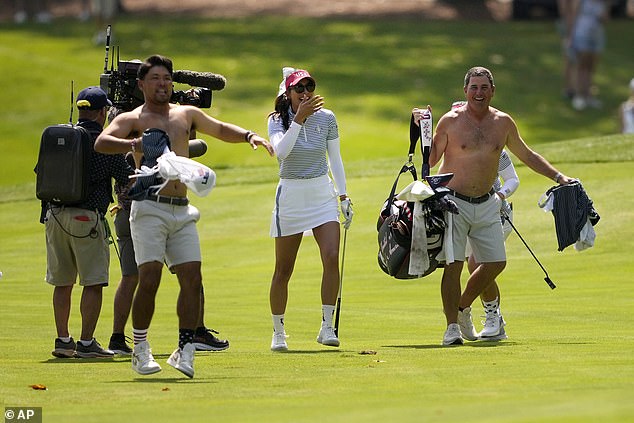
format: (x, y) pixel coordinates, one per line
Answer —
(305, 138)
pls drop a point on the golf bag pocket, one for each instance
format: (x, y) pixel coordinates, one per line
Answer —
(395, 226)
(395, 237)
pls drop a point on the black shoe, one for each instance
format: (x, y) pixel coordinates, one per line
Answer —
(206, 341)
(94, 350)
(64, 349)
(118, 344)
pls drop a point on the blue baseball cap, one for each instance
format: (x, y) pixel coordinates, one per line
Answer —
(92, 98)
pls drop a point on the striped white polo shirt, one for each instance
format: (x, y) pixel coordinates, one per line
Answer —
(308, 157)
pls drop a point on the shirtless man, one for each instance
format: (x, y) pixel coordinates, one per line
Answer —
(471, 139)
(163, 226)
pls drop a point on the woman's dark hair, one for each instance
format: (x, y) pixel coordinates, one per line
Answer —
(282, 103)
(155, 60)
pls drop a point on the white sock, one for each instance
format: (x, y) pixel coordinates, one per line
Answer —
(491, 306)
(327, 312)
(139, 335)
(65, 339)
(278, 323)
(85, 343)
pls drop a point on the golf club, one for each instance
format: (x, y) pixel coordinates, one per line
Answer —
(547, 278)
(338, 310)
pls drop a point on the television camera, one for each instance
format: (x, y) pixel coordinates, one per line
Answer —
(120, 84)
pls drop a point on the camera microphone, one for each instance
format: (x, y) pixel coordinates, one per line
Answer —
(200, 79)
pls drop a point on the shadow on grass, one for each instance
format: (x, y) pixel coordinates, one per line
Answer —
(483, 344)
(309, 351)
(76, 360)
(177, 378)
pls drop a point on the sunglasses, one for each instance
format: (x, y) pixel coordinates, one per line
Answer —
(299, 88)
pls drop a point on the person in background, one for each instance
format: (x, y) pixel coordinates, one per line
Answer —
(305, 138)
(37, 9)
(104, 13)
(626, 112)
(565, 23)
(587, 40)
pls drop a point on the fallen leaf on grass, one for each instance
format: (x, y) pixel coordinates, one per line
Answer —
(367, 352)
(38, 387)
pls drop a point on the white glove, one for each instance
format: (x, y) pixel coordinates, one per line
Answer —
(347, 213)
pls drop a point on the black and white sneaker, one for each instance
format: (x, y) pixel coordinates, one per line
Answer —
(118, 344)
(206, 341)
(64, 349)
(93, 350)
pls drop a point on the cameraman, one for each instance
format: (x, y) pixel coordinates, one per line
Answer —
(77, 239)
(163, 224)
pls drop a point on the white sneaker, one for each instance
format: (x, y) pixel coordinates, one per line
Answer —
(327, 337)
(279, 342)
(183, 359)
(499, 337)
(493, 323)
(466, 325)
(452, 335)
(142, 360)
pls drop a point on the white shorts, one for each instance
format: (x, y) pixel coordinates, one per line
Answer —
(303, 204)
(506, 231)
(163, 232)
(481, 225)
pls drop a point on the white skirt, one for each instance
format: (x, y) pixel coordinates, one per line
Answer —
(303, 204)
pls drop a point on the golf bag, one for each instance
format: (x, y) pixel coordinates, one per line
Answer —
(63, 165)
(395, 225)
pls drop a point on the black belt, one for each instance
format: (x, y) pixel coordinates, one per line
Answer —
(174, 201)
(473, 200)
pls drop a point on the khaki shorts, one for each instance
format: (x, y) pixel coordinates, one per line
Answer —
(506, 231)
(480, 224)
(76, 243)
(163, 232)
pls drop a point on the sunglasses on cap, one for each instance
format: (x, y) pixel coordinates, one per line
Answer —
(299, 88)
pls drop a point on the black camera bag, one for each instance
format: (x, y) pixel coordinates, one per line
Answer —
(63, 164)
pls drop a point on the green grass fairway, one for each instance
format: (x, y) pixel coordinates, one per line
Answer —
(569, 353)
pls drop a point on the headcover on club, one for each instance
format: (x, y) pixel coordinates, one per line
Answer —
(440, 180)
(156, 142)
